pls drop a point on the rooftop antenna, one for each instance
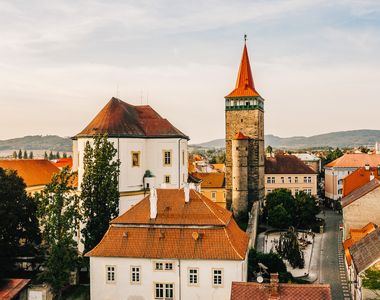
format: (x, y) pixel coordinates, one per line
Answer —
(245, 38)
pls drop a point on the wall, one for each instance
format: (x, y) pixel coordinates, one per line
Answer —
(123, 289)
(334, 181)
(292, 186)
(220, 195)
(362, 211)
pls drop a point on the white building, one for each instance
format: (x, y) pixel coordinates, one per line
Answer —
(146, 144)
(174, 244)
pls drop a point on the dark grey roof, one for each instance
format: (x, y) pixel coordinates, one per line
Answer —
(360, 192)
(366, 252)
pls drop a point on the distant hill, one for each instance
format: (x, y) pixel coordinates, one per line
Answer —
(352, 138)
(38, 142)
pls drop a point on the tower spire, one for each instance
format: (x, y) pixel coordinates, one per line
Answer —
(245, 86)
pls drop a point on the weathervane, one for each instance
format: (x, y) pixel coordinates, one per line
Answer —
(245, 38)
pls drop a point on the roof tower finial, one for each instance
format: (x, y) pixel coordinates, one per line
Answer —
(245, 39)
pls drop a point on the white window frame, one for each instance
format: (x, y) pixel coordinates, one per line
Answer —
(289, 179)
(135, 271)
(269, 179)
(164, 266)
(110, 274)
(193, 275)
(273, 179)
(282, 179)
(165, 287)
(309, 179)
(214, 276)
(167, 159)
(296, 179)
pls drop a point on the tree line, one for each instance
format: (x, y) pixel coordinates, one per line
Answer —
(25, 155)
(46, 226)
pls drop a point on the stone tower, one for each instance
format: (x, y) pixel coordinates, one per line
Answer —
(244, 143)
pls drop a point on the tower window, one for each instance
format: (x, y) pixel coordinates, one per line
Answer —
(241, 120)
(246, 103)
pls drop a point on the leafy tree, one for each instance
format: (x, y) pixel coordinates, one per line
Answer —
(64, 155)
(100, 193)
(58, 208)
(271, 260)
(25, 156)
(307, 209)
(279, 217)
(371, 280)
(14, 155)
(289, 249)
(19, 232)
(58, 156)
(45, 155)
(51, 156)
(269, 149)
(31, 155)
(333, 155)
(19, 155)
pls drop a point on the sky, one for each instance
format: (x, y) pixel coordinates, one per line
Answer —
(315, 62)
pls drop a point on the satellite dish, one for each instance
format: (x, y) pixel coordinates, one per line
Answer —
(260, 279)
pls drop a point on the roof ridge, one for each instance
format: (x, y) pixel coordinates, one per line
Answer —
(88, 253)
(211, 210)
(229, 240)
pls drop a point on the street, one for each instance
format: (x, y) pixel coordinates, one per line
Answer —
(332, 268)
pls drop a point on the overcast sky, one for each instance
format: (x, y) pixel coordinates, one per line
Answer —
(316, 63)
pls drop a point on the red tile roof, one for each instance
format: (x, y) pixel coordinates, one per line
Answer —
(357, 179)
(64, 162)
(33, 171)
(360, 192)
(199, 229)
(286, 291)
(120, 119)
(244, 84)
(211, 180)
(240, 136)
(355, 160)
(286, 164)
(10, 288)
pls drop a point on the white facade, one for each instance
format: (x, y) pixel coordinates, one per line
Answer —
(334, 181)
(123, 288)
(151, 153)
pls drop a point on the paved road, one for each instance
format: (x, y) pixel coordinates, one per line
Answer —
(332, 269)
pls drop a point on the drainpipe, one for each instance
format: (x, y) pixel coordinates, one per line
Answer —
(179, 278)
(179, 163)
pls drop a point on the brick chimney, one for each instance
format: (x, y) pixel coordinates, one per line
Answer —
(153, 203)
(274, 286)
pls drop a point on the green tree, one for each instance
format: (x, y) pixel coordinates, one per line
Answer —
(25, 156)
(269, 149)
(51, 156)
(100, 193)
(19, 155)
(45, 155)
(64, 155)
(58, 156)
(19, 231)
(14, 155)
(332, 155)
(371, 280)
(307, 209)
(271, 260)
(279, 217)
(58, 208)
(31, 155)
(288, 248)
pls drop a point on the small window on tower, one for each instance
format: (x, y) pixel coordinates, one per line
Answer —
(241, 120)
(246, 103)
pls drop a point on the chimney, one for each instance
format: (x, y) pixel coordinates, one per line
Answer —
(274, 286)
(371, 177)
(186, 190)
(153, 203)
(366, 167)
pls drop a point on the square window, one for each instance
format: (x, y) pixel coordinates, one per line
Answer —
(168, 266)
(110, 274)
(167, 157)
(217, 277)
(135, 158)
(193, 276)
(159, 266)
(135, 275)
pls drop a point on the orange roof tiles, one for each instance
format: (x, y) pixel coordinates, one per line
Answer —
(286, 291)
(355, 236)
(33, 171)
(10, 288)
(134, 234)
(211, 180)
(120, 119)
(64, 162)
(355, 160)
(357, 179)
(219, 167)
(244, 84)
(172, 210)
(240, 136)
(286, 164)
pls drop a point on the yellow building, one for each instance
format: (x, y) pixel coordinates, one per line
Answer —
(289, 172)
(213, 186)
